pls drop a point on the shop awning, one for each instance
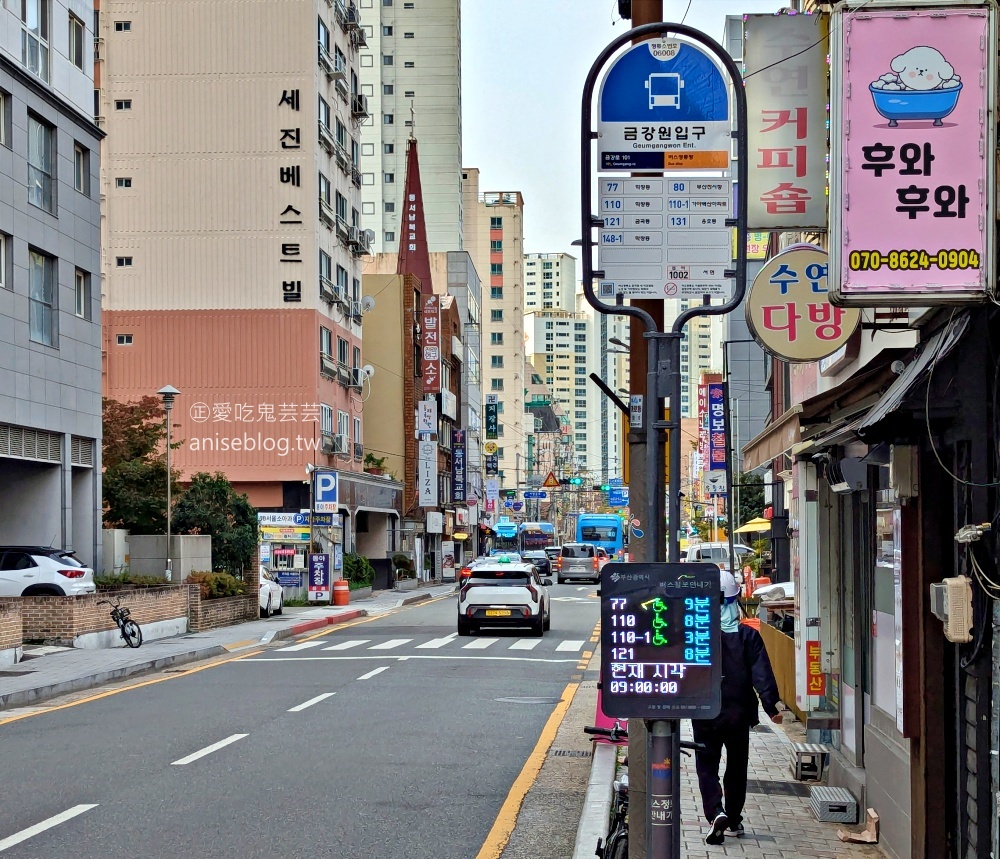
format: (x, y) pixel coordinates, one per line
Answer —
(934, 348)
(778, 437)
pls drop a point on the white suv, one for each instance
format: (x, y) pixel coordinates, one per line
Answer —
(501, 593)
(41, 571)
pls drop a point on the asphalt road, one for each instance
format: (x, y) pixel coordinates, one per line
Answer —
(390, 737)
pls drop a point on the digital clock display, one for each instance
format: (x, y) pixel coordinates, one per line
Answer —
(660, 640)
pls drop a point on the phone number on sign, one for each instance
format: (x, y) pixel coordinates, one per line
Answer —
(912, 260)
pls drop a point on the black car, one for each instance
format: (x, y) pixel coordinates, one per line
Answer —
(540, 560)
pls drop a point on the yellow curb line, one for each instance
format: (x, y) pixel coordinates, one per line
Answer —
(504, 824)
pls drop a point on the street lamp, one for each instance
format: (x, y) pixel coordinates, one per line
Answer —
(168, 392)
(614, 341)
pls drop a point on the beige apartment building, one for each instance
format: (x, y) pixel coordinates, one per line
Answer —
(232, 234)
(549, 282)
(411, 74)
(493, 235)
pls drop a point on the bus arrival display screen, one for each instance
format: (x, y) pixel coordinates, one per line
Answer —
(660, 641)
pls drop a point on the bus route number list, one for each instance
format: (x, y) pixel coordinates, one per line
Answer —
(660, 640)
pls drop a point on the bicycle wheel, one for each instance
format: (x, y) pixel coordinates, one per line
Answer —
(617, 845)
(131, 633)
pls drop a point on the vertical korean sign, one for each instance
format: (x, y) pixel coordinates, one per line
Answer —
(492, 405)
(430, 342)
(458, 465)
(703, 427)
(290, 174)
(785, 78)
(912, 173)
(427, 474)
(319, 577)
(716, 427)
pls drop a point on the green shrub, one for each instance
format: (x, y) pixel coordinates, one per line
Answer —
(358, 570)
(214, 586)
(128, 580)
(401, 562)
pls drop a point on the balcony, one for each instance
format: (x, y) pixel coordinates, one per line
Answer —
(326, 213)
(343, 228)
(343, 158)
(326, 61)
(340, 13)
(327, 291)
(355, 176)
(327, 365)
(359, 106)
(343, 87)
(326, 138)
(344, 375)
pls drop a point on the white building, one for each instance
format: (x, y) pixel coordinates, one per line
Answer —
(701, 351)
(411, 72)
(549, 282)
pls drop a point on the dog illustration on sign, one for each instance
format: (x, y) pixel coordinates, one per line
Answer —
(922, 85)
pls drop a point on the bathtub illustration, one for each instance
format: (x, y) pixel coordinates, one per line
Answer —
(922, 85)
(901, 105)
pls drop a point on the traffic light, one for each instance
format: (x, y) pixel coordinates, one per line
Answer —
(576, 481)
(605, 487)
(510, 493)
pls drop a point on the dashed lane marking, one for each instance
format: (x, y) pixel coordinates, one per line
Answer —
(305, 645)
(305, 705)
(437, 642)
(48, 823)
(373, 672)
(194, 756)
(347, 645)
(568, 646)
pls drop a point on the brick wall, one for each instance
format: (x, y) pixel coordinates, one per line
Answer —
(211, 614)
(10, 624)
(63, 619)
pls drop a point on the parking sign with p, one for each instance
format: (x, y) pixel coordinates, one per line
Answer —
(325, 491)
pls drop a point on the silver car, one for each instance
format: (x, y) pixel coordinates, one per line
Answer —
(578, 561)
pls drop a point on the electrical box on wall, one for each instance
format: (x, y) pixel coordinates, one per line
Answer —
(951, 603)
(903, 470)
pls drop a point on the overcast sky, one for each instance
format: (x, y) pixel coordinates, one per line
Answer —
(523, 67)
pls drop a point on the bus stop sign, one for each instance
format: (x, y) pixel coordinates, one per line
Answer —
(661, 641)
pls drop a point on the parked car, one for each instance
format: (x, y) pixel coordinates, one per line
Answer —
(602, 558)
(715, 553)
(500, 593)
(775, 591)
(578, 561)
(42, 571)
(271, 595)
(540, 560)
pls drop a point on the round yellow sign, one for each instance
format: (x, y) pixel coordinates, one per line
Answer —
(789, 310)
(490, 448)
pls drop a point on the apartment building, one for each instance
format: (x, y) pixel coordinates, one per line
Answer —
(50, 276)
(549, 282)
(493, 235)
(232, 233)
(701, 350)
(411, 75)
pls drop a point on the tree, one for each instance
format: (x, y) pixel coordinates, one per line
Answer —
(211, 506)
(751, 491)
(135, 470)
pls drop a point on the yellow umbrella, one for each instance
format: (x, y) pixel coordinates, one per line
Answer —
(753, 526)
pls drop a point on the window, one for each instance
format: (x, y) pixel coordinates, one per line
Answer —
(76, 34)
(496, 223)
(407, 5)
(123, 104)
(81, 288)
(390, 207)
(500, 408)
(325, 419)
(323, 35)
(496, 316)
(342, 278)
(325, 341)
(341, 203)
(35, 37)
(324, 113)
(124, 339)
(40, 164)
(81, 169)
(387, 119)
(499, 430)
(496, 268)
(4, 256)
(496, 245)
(341, 133)
(4, 119)
(496, 362)
(407, 35)
(343, 352)
(386, 2)
(386, 59)
(387, 31)
(324, 189)
(496, 384)
(123, 26)
(388, 89)
(390, 236)
(357, 430)
(389, 178)
(496, 292)
(409, 93)
(123, 182)
(408, 65)
(496, 338)
(123, 262)
(325, 267)
(41, 297)
(343, 422)
(388, 148)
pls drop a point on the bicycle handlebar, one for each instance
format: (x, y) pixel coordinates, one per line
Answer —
(108, 602)
(618, 733)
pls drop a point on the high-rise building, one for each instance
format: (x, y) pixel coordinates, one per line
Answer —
(549, 282)
(50, 279)
(411, 76)
(493, 230)
(233, 235)
(701, 350)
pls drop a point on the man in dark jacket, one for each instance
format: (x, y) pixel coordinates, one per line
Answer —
(746, 673)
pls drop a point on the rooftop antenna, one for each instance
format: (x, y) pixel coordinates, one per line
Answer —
(413, 122)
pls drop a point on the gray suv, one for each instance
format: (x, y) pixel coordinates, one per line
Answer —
(578, 561)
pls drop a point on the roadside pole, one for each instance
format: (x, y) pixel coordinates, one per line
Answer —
(654, 818)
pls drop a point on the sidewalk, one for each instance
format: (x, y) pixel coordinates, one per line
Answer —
(46, 672)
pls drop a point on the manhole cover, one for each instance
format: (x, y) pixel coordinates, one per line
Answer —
(528, 700)
(569, 753)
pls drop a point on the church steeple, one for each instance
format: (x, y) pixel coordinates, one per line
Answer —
(414, 256)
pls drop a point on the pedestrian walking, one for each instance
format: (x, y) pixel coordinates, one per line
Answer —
(746, 673)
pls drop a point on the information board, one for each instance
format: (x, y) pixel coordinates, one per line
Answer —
(661, 641)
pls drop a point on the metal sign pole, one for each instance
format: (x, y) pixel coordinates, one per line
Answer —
(663, 831)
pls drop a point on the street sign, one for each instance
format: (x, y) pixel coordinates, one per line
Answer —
(617, 481)
(635, 402)
(289, 578)
(550, 481)
(325, 491)
(661, 640)
(319, 577)
(618, 496)
(508, 504)
(492, 462)
(517, 505)
(535, 495)
(715, 482)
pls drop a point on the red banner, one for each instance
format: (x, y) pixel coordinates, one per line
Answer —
(430, 344)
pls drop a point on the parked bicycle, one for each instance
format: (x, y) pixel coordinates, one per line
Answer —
(615, 845)
(128, 628)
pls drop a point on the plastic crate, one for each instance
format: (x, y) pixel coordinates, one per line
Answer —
(833, 804)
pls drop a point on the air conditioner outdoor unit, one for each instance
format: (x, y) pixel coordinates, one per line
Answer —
(341, 443)
(951, 603)
(357, 377)
(847, 475)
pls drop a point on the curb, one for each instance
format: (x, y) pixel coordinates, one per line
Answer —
(318, 623)
(596, 802)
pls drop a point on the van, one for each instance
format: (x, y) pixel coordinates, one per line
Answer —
(715, 553)
(578, 561)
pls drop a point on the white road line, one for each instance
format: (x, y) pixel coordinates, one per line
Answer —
(483, 657)
(373, 672)
(480, 643)
(304, 646)
(39, 828)
(209, 749)
(390, 644)
(305, 704)
(525, 644)
(438, 642)
(583, 589)
(347, 645)
(569, 646)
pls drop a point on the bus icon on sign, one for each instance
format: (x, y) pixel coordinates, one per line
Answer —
(664, 89)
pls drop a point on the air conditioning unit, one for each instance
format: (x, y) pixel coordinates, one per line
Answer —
(343, 228)
(340, 294)
(341, 444)
(354, 238)
(328, 365)
(327, 442)
(951, 603)
(847, 475)
(356, 310)
(359, 106)
(357, 374)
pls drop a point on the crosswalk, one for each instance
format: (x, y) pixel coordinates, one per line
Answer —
(451, 641)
